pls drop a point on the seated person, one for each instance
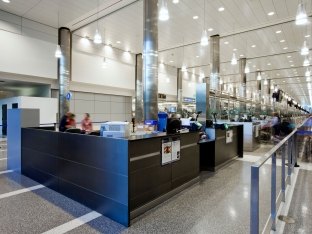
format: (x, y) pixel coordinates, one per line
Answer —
(67, 121)
(86, 123)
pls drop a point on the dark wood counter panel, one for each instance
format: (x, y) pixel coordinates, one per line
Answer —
(114, 176)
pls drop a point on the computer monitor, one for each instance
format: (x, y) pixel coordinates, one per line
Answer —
(185, 122)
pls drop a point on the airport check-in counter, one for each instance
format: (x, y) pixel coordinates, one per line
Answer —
(120, 178)
(221, 147)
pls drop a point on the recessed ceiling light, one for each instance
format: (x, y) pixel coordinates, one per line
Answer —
(277, 74)
(279, 31)
(197, 56)
(284, 81)
(285, 48)
(195, 17)
(292, 65)
(171, 61)
(221, 9)
(271, 13)
(175, 1)
(241, 55)
(226, 42)
(210, 29)
(259, 70)
(282, 41)
(6, 1)
(253, 46)
(289, 56)
(254, 66)
(118, 42)
(269, 64)
(234, 49)
(307, 36)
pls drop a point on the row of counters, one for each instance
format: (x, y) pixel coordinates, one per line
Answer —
(122, 178)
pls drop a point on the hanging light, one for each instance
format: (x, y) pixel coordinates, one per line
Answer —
(204, 38)
(58, 52)
(183, 68)
(265, 82)
(97, 37)
(220, 82)
(308, 79)
(234, 59)
(272, 86)
(304, 49)
(301, 17)
(247, 70)
(167, 80)
(259, 76)
(163, 14)
(306, 62)
(308, 72)
(104, 63)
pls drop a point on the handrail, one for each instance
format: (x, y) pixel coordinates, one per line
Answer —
(291, 151)
(269, 154)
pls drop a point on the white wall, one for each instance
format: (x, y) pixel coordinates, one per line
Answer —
(167, 80)
(88, 68)
(47, 106)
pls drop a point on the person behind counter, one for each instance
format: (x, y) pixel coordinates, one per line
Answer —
(67, 122)
(86, 123)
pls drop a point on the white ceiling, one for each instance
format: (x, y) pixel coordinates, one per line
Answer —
(247, 20)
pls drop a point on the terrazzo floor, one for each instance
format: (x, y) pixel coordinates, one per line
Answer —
(219, 203)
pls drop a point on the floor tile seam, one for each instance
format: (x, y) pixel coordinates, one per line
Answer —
(75, 223)
(21, 191)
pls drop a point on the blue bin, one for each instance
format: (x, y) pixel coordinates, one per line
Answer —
(162, 121)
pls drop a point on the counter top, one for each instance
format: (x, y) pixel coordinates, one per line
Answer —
(154, 135)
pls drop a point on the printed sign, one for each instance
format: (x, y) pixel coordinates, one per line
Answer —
(175, 150)
(229, 136)
(166, 151)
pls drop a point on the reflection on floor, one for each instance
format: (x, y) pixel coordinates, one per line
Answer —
(218, 204)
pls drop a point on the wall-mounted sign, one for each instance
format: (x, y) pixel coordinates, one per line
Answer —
(162, 96)
(189, 100)
(69, 96)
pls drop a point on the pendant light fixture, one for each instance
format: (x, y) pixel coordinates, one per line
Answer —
(97, 36)
(220, 82)
(304, 50)
(301, 17)
(308, 79)
(204, 37)
(247, 70)
(308, 72)
(265, 82)
(306, 62)
(259, 76)
(234, 59)
(58, 51)
(163, 14)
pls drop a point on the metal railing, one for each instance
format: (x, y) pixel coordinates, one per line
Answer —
(288, 147)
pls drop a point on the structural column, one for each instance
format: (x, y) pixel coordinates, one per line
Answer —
(179, 91)
(214, 72)
(215, 62)
(150, 60)
(259, 95)
(243, 83)
(64, 69)
(139, 88)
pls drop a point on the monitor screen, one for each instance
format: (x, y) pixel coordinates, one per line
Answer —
(185, 122)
